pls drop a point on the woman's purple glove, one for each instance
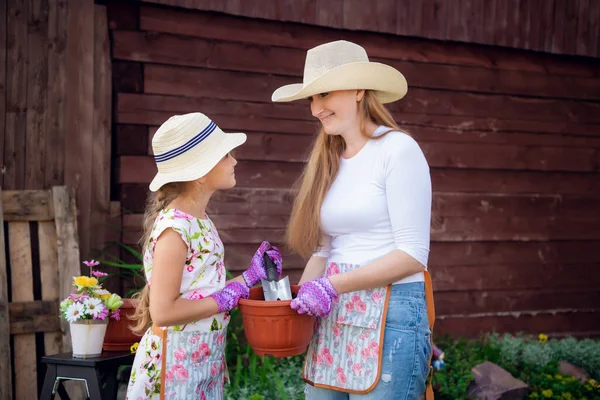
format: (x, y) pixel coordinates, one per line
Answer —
(315, 298)
(256, 272)
(228, 297)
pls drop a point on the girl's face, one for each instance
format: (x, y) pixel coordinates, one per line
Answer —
(338, 110)
(222, 176)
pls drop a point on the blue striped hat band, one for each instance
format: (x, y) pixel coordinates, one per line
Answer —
(186, 146)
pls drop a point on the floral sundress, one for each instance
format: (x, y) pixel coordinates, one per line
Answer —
(194, 358)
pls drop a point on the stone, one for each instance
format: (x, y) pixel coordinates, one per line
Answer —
(495, 383)
(566, 368)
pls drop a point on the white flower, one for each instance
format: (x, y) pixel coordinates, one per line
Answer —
(74, 312)
(94, 306)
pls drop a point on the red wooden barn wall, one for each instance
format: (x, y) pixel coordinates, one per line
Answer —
(512, 139)
(553, 26)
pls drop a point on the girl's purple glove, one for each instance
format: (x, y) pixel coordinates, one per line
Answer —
(315, 298)
(228, 297)
(256, 272)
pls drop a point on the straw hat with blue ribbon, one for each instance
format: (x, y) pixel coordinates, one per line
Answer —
(343, 65)
(186, 147)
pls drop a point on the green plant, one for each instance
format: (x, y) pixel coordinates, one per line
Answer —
(132, 271)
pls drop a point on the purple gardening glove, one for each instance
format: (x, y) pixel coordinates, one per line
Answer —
(228, 297)
(256, 272)
(315, 298)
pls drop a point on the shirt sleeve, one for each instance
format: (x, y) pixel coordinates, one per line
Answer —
(408, 194)
(324, 249)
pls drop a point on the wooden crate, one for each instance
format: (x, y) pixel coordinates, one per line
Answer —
(39, 257)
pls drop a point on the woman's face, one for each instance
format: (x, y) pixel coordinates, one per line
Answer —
(338, 110)
(222, 176)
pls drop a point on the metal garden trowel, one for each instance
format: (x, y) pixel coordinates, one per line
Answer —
(275, 289)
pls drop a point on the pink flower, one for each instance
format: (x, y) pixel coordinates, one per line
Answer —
(195, 356)
(341, 377)
(180, 372)
(91, 263)
(180, 354)
(213, 370)
(337, 331)
(374, 350)
(350, 348)
(99, 274)
(181, 215)
(220, 339)
(189, 268)
(116, 314)
(349, 306)
(340, 319)
(170, 375)
(355, 298)
(377, 297)
(357, 369)
(333, 269)
(195, 295)
(365, 353)
(327, 357)
(204, 350)
(202, 396)
(361, 306)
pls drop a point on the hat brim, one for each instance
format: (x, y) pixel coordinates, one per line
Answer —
(387, 82)
(203, 165)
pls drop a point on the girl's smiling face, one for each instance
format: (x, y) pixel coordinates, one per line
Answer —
(338, 110)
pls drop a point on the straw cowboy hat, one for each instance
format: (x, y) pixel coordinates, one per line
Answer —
(343, 65)
(186, 147)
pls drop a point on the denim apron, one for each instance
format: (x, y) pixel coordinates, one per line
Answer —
(345, 353)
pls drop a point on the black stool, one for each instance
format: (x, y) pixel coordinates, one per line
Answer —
(94, 371)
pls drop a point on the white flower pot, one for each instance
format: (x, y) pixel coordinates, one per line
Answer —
(87, 336)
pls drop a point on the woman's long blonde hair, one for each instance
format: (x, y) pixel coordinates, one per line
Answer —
(303, 231)
(157, 201)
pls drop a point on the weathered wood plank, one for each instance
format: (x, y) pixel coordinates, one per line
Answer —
(34, 316)
(570, 17)
(15, 162)
(122, 15)
(551, 323)
(3, 79)
(27, 205)
(477, 302)
(190, 82)
(6, 386)
(22, 291)
(151, 109)
(37, 83)
(188, 51)
(65, 214)
(49, 278)
(57, 77)
(296, 36)
(101, 138)
(80, 111)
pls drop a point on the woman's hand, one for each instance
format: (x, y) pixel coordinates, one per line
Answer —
(256, 272)
(315, 298)
(228, 297)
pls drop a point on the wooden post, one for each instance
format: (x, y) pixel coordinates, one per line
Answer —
(5, 366)
(49, 277)
(68, 248)
(22, 290)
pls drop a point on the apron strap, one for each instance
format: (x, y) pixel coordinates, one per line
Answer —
(162, 334)
(431, 317)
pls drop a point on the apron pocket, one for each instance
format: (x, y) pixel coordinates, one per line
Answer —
(362, 309)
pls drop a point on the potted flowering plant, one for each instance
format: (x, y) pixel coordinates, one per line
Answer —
(88, 310)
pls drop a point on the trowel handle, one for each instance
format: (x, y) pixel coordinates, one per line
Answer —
(270, 269)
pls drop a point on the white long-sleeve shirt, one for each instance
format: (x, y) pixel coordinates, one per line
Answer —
(379, 201)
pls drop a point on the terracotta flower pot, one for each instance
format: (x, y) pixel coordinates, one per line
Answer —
(118, 335)
(273, 328)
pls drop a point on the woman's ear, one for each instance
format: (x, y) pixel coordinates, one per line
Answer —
(359, 95)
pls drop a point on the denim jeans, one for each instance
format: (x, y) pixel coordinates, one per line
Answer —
(406, 350)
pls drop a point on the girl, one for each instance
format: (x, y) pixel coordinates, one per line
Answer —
(186, 299)
(363, 214)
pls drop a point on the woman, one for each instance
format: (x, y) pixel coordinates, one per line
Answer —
(362, 214)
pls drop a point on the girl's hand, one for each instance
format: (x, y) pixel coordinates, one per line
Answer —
(256, 272)
(228, 297)
(315, 298)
